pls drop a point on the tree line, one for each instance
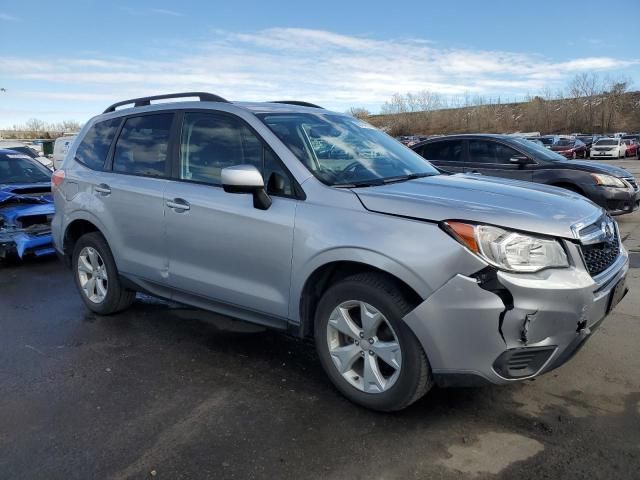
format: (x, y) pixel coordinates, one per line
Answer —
(588, 104)
(36, 128)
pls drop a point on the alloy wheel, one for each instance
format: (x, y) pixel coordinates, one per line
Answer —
(92, 273)
(364, 347)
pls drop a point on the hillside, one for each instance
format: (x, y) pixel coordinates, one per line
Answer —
(599, 114)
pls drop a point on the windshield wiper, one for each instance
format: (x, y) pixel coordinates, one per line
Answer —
(376, 182)
(404, 178)
(364, 183)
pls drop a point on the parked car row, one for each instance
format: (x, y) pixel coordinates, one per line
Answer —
(34, 150)
(592, 146)
(405, 272)
(613, 188)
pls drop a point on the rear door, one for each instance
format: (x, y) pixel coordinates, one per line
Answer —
(131, 192)
(448, 155)
(490, 157)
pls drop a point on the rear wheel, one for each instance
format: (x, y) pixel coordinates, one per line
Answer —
(96, 276)
(365, 347)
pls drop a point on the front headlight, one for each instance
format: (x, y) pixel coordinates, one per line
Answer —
(509, 250)
(607, 180)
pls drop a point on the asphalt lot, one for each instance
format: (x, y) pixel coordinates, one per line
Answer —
(163, 391)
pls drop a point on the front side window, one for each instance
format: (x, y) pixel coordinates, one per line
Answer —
(449, 150)
(95, 145)
(210, 142)
(484, 151)
(343, 151)
(142, 147)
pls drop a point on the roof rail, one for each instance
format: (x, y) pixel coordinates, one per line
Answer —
(144, 101)
(298, 103)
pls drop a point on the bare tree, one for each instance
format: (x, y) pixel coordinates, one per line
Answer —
(359, 112)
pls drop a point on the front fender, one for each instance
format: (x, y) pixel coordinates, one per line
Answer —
(351, 254)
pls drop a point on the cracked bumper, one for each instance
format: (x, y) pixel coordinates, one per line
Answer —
(554, 312)
(23, 244)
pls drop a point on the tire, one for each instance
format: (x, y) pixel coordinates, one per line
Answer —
(407, 383)
(116, 298)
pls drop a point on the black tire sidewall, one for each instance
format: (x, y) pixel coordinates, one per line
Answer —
(112, 299)
(401, 393)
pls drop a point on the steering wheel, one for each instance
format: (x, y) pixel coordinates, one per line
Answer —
(350, 170)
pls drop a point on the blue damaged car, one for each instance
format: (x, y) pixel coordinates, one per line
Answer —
(26, 206)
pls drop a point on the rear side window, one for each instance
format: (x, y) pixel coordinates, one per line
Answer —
(142, 147)
(449, 150)
(94, 148)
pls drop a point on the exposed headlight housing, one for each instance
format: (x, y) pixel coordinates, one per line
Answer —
(608, 180)
(507, 249)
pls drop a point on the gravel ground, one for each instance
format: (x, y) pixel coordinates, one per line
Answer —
(171, 392)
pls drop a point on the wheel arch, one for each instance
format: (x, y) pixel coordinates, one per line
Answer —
(327, 274)
(568, 186)
(73, 231)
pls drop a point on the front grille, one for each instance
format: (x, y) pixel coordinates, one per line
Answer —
(600, 256)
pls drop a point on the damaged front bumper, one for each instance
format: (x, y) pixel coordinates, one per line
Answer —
(23, 243)
(26, 230)
(499, 327)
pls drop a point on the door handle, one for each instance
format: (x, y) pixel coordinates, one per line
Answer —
(178, 204)
(103, 188)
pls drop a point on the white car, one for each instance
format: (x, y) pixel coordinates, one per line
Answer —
(609, 148)
(26, 150)
(60, 149)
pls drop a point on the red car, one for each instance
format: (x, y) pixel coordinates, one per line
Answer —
(570, 148)
(632, 147)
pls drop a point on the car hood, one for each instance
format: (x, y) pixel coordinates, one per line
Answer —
(596, 167)
(507, 203)
(25, 193)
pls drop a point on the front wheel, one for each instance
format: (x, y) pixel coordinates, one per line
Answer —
(96, 276)
(365, 347)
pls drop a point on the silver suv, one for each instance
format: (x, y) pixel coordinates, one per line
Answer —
(314, 222)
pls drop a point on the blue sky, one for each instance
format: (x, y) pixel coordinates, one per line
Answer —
(70, 59)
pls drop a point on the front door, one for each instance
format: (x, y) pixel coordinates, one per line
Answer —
(221, 248)
(489, 157)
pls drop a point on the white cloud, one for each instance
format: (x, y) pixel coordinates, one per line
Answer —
(8, 18)
(146, 11)
(164, 11)
(325, 67)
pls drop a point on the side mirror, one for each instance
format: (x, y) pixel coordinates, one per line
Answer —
(246, 179)
(519, 160)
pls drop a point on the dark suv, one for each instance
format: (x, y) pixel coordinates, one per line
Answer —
(611, 187)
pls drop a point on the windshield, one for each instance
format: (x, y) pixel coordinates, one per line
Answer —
(538, 151)
(344, 151)
(564, 142)
(546, 140)
(607, 142)
(19, 168)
